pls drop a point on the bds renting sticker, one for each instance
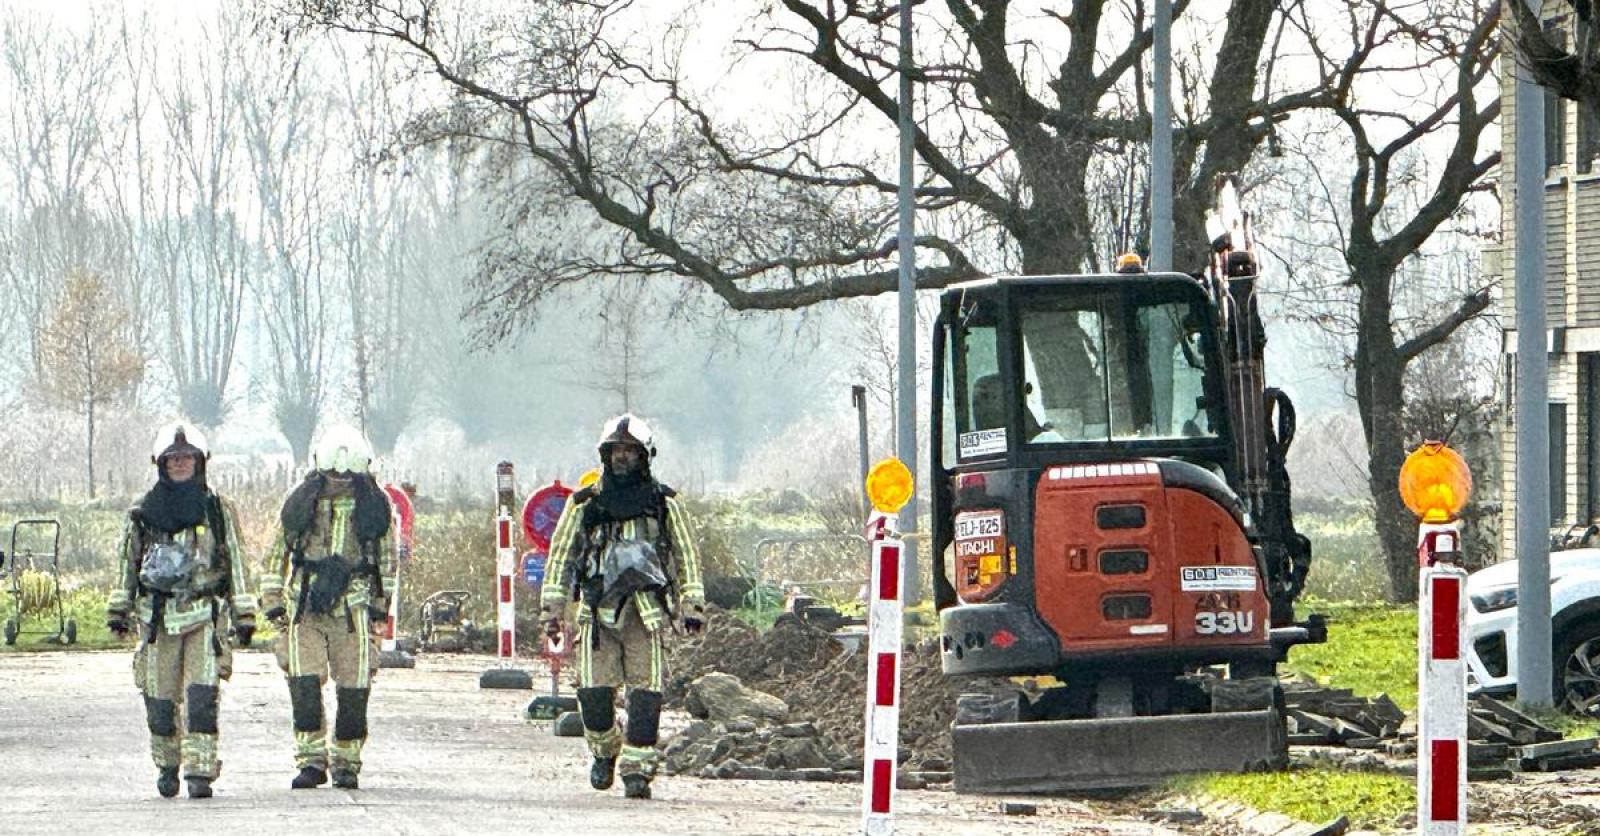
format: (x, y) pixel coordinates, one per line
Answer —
(983, 443)
(1219, 578)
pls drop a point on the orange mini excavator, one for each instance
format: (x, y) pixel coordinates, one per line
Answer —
(1111, 514)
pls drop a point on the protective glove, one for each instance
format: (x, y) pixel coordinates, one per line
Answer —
(119, 625)
(278, 615)
(693, 618)
(377, 615)
(244, 631)
(553, 628)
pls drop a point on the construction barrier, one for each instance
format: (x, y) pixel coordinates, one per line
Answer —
(505, 674)
(883, 679)
(1441, 683)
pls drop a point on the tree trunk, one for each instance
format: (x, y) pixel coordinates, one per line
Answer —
(90, 423)
(1380, 393)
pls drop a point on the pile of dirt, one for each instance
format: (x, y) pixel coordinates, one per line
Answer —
(825, 684)
(760, 660)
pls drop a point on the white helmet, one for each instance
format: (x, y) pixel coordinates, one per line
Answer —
(342, 447)
(179, 437)
(627, 428)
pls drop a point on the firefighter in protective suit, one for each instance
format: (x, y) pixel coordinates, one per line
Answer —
(181, 581)
(625, 547)
(324, 588)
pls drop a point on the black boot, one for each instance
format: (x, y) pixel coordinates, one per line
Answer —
(635, 786)
(602, 772)
(167, 781)
(199, 787)
(309, 777)
(344, 779)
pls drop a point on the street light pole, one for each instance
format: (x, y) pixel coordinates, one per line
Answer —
(1161, 142)
(906, 403)
(1534, 678)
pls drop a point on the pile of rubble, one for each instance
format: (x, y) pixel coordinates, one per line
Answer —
(822, 684)
(740, 732)
(1501, 740)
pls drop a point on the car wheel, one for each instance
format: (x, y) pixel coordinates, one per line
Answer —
(1577, 670)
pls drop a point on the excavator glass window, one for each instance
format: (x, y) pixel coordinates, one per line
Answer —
(1109, 366)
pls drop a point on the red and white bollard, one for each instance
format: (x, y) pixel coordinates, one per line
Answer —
(883, 679)
(1441, 683)
(505, 674)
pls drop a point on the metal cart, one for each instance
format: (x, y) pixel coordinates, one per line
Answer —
(35, 581)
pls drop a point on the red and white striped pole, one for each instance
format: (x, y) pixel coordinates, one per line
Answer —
(505, 674)
(1441, 683)
(505, 563)
(889, 487)
(883, 679)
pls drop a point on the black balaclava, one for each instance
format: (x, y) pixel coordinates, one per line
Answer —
(176, 506)
(623, 495)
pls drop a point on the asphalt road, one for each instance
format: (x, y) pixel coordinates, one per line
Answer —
(444, 757)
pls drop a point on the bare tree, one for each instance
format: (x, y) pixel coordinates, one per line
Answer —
(1570, 68)
(377, 233)
(1415, 162)
(283, 117)
(1011, 128)
(57, 85)
(89, 357)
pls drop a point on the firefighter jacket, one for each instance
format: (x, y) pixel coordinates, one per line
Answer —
(575, 552)
(296, 558)
(219, 578)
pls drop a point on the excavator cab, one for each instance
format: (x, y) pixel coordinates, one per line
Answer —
(1110, 510)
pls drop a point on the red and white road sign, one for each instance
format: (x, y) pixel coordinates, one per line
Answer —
(883, 679)
(1441, 685)
(505, 568)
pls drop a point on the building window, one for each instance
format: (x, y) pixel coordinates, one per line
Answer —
(1558, 464)
(1588, 137)
(1555, 107)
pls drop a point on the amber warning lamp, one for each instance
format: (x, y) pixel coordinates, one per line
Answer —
(1435, 482)
(889, 485)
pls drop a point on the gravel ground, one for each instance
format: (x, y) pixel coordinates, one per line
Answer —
(445, 757)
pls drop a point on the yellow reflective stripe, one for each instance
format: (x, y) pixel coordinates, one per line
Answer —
(293, 638)
(585, 653)
(152, 659)
(683, 543)
(207, 650)
(242, 601)
(562, 541)
(342, 506)
(656, 673)
(363, 651)
(126, 581)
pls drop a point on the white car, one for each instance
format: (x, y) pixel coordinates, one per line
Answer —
(1575, 632)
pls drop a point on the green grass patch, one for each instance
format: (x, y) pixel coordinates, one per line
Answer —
(1371, 649)
(1370, 799)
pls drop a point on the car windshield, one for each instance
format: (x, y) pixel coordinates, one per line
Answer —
(1096, 365)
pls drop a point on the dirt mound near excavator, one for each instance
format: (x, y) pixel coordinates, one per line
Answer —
(825, 683)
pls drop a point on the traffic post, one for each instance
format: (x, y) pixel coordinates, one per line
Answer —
(889, 488)
(1435, 484)
(505, 674)
(402, 517)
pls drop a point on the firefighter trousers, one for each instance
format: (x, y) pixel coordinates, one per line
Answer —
(312, 650)
(610, 657)
(179, 676)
